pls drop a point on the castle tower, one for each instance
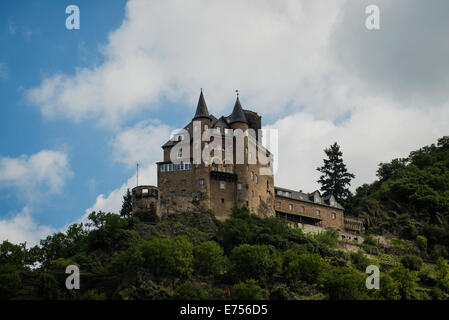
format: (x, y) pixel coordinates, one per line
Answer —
(201, 186)
(243, 171)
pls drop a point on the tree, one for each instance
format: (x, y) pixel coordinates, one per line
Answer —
(127, 205)
(191, 291)
(248, 290)
(407, 281)
(308, 267)
(345, 284)
(254, 261)
(335, 178)
(209, 259)
(9, 282)
(168, 257)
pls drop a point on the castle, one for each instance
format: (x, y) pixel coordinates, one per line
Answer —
(233, 170)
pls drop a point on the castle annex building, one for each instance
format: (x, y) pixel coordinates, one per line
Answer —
(236, 172)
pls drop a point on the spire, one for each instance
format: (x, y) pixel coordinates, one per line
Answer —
(237, 114)
(201, 109)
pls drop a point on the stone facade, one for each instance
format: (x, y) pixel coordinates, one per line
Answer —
(221, 183)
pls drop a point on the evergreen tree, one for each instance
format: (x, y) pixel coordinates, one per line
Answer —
(127, 205)
(335, 178)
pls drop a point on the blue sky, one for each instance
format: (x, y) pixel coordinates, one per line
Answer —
(80, 107)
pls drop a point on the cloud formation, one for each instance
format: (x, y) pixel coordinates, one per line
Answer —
(22, 228)
(43, 173)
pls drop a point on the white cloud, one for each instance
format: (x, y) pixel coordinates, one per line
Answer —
(374, 133)
(42, 173)
(275, 53)
(141, 143)
(112, 202)
(22, 228)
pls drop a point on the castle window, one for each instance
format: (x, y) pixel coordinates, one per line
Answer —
(318, 212)
(278, 204)
(252, 193)
(257, 178)
(246, 150)
(302, 209)
(247, 168)
(173, 193)
(183, 192)
(179, 153)
(239, 186)
(222, 185)
(247, 205)
(145, 192)
(252, 175)
(163, 168)
(183, 182)
(334, 216)
(201, 182)
(222, 200)
(268, 184)
(290, 207)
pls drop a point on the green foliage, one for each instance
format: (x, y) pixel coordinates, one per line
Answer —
(328, 238)
(254, 261)
(308, 267)
(168, 257)
(93, 294)
(412, 262)
(443, 274)
(335, 178)
(209, 259)
(389, 288)
(127, 205)
(127, 260)
(359, 260)
(345, 284)
(236, 230)
(47, 286)
(110, 231)
(60, 264)
(191, 291)
(411, 199)
(421, 242)
(248, 290)
(16, 255)
(10, 281)
(406, 280)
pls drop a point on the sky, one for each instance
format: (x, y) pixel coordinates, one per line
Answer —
(79, 108)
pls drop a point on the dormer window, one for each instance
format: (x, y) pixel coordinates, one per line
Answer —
(180, 153)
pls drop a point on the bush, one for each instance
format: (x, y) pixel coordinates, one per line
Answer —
(126, 260)
(254, 261)
(360, 261)
(47, 286)
(421, 242)
(345, 284)
(93, 294)
(308, 267)
(412, 262)
(328, 238)
(248, 290)
(9, 282)
(407, 281)
(191, 291)
(168, 257)
(209, 259)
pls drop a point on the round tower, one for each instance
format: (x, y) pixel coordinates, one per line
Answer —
(239, 125)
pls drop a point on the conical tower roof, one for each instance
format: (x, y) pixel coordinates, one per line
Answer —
(201, 109)
(237, 114)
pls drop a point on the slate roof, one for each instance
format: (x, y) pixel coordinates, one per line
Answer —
(201, 109)
(307, 197)
(237, 114)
